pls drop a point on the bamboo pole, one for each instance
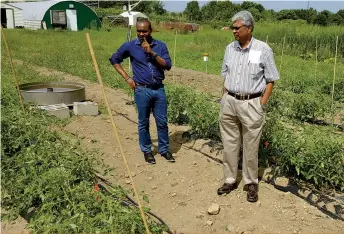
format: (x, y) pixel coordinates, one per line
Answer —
(282, 52)
(334, 79)
(316, 56)
(267, 39)
(174, 55)
(12, 67)
(116, 131)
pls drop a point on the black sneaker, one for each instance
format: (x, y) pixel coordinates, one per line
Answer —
(168, 156)
(149, 158)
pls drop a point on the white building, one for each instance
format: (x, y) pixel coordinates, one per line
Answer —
(11, 16)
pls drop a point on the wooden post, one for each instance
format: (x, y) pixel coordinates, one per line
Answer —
(13, 71)
(282, 53)
(116, 131)
(334, 79)
(174, 55)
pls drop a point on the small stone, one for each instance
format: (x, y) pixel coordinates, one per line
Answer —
(259, 204)
(282, 181)
(182, 204)
(133, 174)
(126, 176)
(127, 137)
(200, 215)
(127, 181)
(194, 163)
(174, 155)
(230, 228)
(209, 223)
(154, 187)
(174, 194)
(214, 209)
(150, 178)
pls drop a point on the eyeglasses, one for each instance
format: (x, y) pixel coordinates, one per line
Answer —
(143, 31)
(236, 28)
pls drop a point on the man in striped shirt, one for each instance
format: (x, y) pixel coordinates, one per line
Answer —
(250, 72)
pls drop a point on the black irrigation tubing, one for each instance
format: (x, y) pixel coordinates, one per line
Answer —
(130, 202)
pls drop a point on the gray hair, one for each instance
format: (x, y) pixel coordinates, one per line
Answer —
(244, 16)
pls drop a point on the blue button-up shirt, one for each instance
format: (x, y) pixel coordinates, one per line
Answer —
(145, 68)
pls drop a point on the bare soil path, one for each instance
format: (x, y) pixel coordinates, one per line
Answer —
(181, 193)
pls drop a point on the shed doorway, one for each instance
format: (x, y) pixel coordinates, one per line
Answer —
(7, 18)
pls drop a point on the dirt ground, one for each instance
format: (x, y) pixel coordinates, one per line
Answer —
(181, 193)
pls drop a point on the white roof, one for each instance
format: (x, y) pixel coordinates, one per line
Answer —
(133, 13)
(6, 5)
(34, 10)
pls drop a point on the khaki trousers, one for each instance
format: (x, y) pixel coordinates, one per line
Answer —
(241, 121)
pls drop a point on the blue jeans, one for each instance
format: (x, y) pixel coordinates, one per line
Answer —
(146, 100)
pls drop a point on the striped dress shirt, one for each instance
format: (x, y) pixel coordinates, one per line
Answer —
(247, 70)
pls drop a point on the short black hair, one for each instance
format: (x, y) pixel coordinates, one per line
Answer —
(144, 20)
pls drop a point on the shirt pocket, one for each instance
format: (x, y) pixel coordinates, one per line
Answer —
(255, 70)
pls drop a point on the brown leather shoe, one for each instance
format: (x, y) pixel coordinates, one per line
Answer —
(252, 192)
(227, 188)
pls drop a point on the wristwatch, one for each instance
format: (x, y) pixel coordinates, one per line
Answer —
(154, 55)
(126, 79)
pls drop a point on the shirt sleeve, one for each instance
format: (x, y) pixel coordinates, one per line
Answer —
(270, 70)
(121, 54)
(224, 68)
(166, 56)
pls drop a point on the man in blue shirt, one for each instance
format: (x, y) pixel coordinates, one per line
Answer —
(149, 59)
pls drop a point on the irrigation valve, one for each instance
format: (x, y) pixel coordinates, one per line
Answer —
(205, 57)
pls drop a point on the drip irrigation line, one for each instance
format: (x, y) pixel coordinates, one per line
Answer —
(129, 201)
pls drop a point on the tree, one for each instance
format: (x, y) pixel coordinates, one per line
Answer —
(209, 11)
(321, 19)
(158, 7)
(286, 14)
(341, 13)
(192, 10)
(336, 19)
(246, 5)
(255, 13)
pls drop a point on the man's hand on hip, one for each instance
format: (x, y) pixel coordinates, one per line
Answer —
(131, 83)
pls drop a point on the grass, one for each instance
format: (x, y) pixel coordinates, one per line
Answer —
(301, 97)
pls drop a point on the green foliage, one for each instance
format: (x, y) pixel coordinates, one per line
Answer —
(48, 178)
(309, 152)
(192, 10)
(302, 94)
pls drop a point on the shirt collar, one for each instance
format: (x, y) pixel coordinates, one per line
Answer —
(138, 42)
(237, 44)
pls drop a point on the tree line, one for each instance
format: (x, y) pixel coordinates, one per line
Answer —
(219, 12)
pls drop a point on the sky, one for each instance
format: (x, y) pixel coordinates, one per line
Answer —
(334, 6)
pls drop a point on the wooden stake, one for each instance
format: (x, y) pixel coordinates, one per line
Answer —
(334, 79)
(116, 131)
(267, 39)
(14, 73)
(316, 56)
(282, 53)
(174, 55)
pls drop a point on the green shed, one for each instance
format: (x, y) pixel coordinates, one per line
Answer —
(63, 14)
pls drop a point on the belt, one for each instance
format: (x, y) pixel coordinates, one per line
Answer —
(157, 86)
(240, 96)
